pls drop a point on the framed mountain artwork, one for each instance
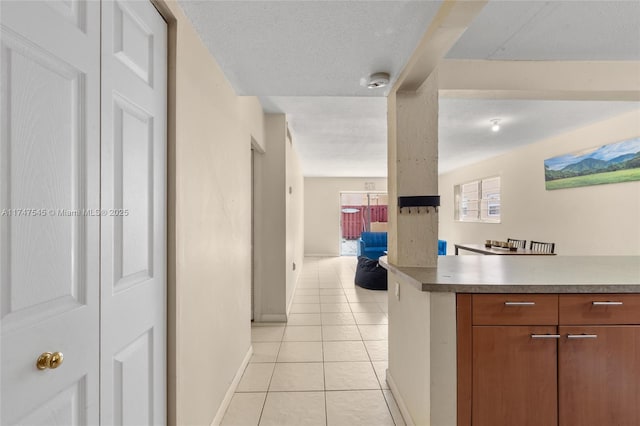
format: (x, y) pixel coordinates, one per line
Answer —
(613, 163)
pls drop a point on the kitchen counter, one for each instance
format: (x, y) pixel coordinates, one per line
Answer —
(423, 323)
(527, 274)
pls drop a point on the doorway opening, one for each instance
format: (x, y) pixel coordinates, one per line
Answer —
(253, 230)
(359, 212)
(257, 157)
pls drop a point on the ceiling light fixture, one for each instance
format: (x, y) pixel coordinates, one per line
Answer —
(379, 79)
(495, 124)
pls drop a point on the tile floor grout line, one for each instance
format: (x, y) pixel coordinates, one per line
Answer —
(324, 268)
(389, 408)
(275, 363)
(324, 386)
(264, 402)
(266, 394)
(324, 382)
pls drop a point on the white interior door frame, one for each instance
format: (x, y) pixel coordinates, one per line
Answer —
(257, 229)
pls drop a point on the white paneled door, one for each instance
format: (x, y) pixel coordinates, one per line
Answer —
(50, 164)
(82, 212)
(134, 84)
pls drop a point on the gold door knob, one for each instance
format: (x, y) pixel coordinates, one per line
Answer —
(49, 360)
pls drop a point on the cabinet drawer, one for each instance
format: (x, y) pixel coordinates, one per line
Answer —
(515, 309)
(577, 309)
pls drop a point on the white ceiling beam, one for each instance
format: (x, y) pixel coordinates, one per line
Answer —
(452, 20)
(552, 80)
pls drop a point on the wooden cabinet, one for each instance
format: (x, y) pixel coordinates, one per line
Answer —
(504, 358)
(599, 380)
(548, 360)
(599, 360)
(515, 309)
(599, 309)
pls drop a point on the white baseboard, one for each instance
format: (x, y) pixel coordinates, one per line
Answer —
(293, 295)
(272, 318)
(401, 405)
(232, 389)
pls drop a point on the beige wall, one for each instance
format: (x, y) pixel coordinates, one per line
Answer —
(590, 220)
(209, 258)
(271, 226)
(295, 220)
(279, 222)
(322, 211)
(422, 353)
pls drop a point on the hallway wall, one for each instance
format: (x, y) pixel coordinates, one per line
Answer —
(295, 221)
(278, 222)
(209, 226)
(322, 211)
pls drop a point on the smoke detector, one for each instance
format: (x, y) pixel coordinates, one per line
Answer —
(379, 79)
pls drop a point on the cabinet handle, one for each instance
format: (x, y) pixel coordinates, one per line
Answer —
(519, 303)
(582, 336)
(545, 336)
(606, 303)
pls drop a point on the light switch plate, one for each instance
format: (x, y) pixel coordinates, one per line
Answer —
(398, 291)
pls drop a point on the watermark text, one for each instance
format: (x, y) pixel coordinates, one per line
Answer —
(27, 212)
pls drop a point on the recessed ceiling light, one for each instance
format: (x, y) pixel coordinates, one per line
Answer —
(379, 79)
(495, 124)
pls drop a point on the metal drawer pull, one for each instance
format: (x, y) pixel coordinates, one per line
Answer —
(519, 303)
(545, 336)
(582, 336)
(606, 303)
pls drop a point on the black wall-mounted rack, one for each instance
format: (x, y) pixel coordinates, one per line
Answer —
(419, 201)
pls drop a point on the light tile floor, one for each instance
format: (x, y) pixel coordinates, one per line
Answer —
(327, 365)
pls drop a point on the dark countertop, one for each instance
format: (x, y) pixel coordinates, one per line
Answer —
(525, 274)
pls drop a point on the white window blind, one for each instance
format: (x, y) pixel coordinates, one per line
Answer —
(470, 201)
(478, 200)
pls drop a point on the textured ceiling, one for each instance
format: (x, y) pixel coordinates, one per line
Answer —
(464, 125)
(309, 48)
(309, 59)
(337, 136)
(553, 30)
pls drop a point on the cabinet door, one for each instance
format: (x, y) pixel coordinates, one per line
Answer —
(599, 382)
(514, 376)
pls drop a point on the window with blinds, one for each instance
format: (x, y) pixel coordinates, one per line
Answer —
(478, 201)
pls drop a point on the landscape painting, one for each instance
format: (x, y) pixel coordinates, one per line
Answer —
(613, 163)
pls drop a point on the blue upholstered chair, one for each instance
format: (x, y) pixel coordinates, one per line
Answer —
(372, 244)
(442, 248)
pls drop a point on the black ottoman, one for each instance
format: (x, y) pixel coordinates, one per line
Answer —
(370, 275)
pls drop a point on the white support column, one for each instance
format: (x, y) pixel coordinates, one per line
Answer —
(413, 171)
